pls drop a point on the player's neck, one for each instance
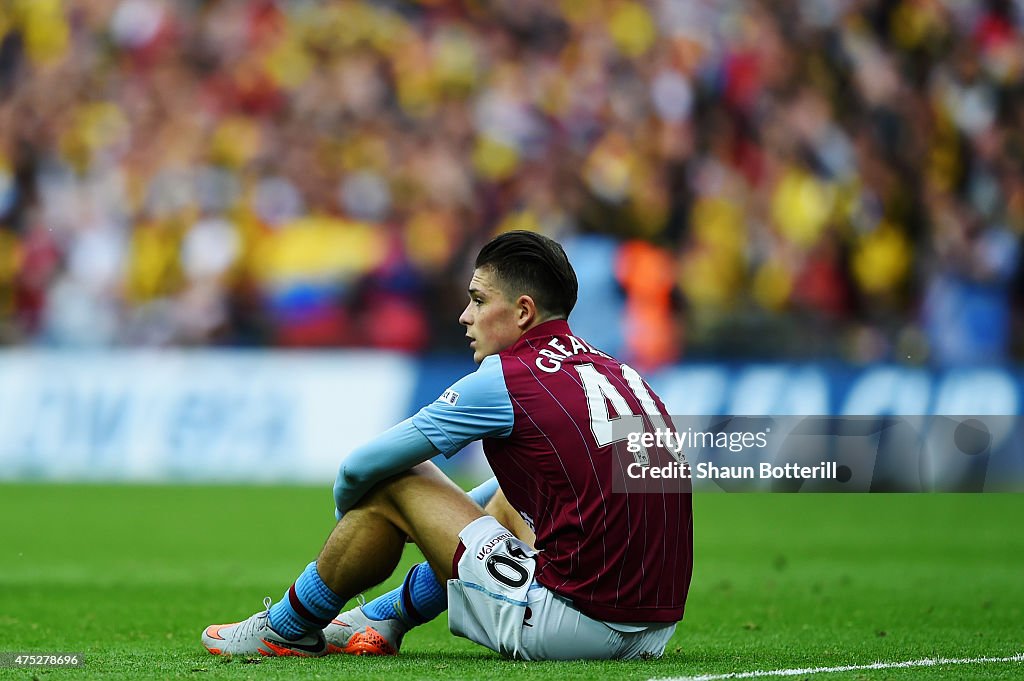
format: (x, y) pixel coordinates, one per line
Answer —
(537, 322)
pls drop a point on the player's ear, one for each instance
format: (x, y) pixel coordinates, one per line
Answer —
(526, 311)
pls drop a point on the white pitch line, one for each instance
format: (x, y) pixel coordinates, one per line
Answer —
(927, 662)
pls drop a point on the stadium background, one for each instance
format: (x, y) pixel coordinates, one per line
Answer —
(773, 208)
(827, 179)
(235, 239)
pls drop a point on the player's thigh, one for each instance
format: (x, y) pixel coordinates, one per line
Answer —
(428, 507)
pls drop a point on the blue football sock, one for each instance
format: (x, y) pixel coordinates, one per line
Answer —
(385, 606)
(420, 599)
(308, 605)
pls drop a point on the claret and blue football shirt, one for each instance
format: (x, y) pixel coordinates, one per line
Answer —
(543, 409)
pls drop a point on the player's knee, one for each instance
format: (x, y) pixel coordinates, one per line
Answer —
(386, 494)
(379, 497)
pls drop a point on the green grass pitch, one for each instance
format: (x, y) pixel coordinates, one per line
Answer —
(130, 575)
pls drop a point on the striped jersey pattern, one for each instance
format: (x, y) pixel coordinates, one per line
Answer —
(618, 557)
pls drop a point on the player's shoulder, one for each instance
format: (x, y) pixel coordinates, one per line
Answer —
(488, 377)
(490, 367)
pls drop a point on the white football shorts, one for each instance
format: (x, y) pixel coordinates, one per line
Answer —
(497, 603)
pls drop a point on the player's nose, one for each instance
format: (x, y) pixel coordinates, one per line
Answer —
(465, 319)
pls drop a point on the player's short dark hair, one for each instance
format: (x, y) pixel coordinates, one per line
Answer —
(534, 265)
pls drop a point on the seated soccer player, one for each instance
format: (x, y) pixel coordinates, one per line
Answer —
(554, 564)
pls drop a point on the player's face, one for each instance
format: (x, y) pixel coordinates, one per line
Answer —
(491, 321)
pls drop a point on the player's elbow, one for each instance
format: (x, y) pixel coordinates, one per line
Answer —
(350, 478)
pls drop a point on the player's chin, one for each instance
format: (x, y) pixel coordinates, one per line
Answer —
(479, 353)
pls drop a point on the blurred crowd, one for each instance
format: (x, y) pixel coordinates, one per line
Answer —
(733, 178)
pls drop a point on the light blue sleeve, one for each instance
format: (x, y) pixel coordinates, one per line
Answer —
(397, 449)
(475, 407)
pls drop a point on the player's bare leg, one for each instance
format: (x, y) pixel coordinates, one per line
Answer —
(362, 550)
(378, 627)
(365, 546)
